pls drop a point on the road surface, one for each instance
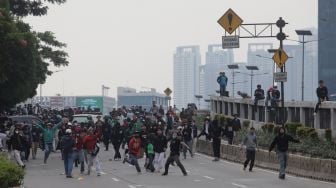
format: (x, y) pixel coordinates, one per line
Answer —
(202, 172)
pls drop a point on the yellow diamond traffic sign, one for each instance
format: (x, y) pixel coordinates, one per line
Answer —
(168, 91)
(280, 57)
(230, 21)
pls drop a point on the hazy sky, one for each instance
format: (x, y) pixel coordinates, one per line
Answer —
(132, 42)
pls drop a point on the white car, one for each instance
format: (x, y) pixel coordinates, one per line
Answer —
(84, 118)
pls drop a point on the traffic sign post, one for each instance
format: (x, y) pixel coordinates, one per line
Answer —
(230, 21)
(280, 77)
(230, 42)
(280, 57)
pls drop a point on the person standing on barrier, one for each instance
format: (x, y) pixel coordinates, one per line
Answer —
(259, 94)
(281, 141)
(250, 142)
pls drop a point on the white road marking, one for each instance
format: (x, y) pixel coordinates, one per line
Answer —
(239, 185)
(208, 177)
(188, 171)
(115, 179)
(197, 180)
(131, 186)
(268, 171)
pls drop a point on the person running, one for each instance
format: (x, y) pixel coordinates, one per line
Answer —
(160, 146)
(250, 142)
(117, 138)
(175, 145)
(150, 153)
(188, 140)
(67, 144)
(134, 147)
(281, 141)
(17, 142)
(92, 146)
(78, 150)
(35, 132)
(322, 95)
(48, 137)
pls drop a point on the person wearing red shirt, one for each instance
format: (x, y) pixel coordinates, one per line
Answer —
(92, 146)
(78, 151)
(134, 151)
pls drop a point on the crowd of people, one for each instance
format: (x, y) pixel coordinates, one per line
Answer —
(140, 134)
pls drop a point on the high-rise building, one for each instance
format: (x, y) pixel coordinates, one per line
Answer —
(217, 60)
(327, 43)
(259, 56)
(187, 61)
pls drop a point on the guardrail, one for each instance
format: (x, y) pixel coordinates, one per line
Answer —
(296, 111)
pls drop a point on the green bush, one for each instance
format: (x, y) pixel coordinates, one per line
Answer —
(328, 135)
(306, 132)
(246, 124)
(276, 129)
(11, 175)
(292, 127)
(268, 127)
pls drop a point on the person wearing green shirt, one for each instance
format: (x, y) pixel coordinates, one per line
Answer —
(150, 155)
(48, 137)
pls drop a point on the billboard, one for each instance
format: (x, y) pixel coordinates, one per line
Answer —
(92, 102)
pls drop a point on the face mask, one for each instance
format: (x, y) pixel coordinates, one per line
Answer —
(17, 132)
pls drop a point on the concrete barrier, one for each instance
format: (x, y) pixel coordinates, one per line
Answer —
(315, 168)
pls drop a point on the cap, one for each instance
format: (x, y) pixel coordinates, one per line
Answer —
(68, 131)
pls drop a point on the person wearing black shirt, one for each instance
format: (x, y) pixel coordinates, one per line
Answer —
(259, 94)
(175, 145)
(187, 138)
(322, 95)
(233, 126)
(281, 141)
(217, 134)
(117, 138)
(35, 140)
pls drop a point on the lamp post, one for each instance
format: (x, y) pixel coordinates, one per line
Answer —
(42, 84)
(233, 67)
(252, 68)
(198, 97)
(303, 33)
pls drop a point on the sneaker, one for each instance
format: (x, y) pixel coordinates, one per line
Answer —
(69, 177)
(186, 174)
(315, 113)
(282, 177)
(98, 174)
(23, 167)
(165, 174)
(250, 170)
(244, 168)
(124, 161)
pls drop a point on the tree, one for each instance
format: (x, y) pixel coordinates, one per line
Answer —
(31, 7)
(24, 56)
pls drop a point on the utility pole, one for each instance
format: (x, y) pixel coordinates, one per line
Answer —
(281, 37)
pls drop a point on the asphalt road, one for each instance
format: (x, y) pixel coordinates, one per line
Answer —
(202, 172)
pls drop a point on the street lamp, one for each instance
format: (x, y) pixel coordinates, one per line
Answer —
(252, 68)
(303, 33)
(198, 97)
(56, 71)
(233, 67)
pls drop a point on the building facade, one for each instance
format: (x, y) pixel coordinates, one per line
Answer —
(187, 62)
(129, 97)
(327, 43)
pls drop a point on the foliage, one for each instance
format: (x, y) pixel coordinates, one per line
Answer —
(31, 7)
(11, 175)
(328, 135)
(246, 124)
(304, 132)
(268, 127)
(24, 56)
(292, 127)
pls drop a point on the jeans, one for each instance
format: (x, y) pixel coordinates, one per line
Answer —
(17, 156)
(222, 90)
(79, 155)
(94, 160)
(48, 150)
(190, 145)
(175, 158)
(116, 146)
(216, 146)
(35, 145)
(250, 157)
(158, 160)
(282, 157)
(68, 163)
(133, 160)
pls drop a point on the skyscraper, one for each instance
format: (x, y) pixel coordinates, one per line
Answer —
(187, 61)
(327, 43)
